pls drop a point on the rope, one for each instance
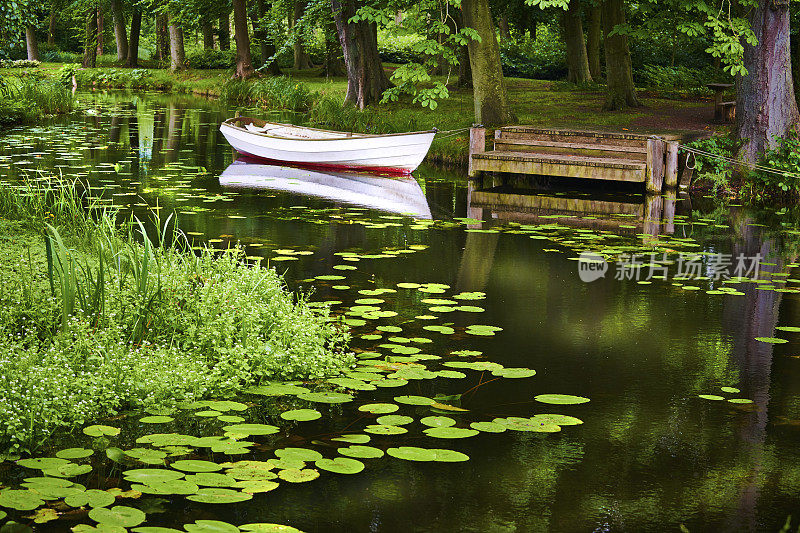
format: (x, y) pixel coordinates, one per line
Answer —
(770, 170)
(450, 133)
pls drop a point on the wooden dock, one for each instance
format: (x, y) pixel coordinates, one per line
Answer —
(611, 156)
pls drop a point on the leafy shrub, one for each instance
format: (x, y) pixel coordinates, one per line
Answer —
(19, 63)
(275, 93)
(784, 157)
(684, 79)
(715, 172)
(211, 59)
(543, 58)
(399, 49)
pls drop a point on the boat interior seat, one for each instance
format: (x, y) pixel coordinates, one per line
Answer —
(255, 129)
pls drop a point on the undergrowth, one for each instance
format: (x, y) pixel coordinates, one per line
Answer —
(99, 315)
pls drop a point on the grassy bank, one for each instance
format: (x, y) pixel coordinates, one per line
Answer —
(545, 103)
(94, 320)
(25, 99)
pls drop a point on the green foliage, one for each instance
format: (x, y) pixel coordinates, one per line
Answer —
(274, 93)
(19, 63)
(211, 59)
(716, 172)
(683, 80)
(102, 320)
(784, 157)
(541, 58)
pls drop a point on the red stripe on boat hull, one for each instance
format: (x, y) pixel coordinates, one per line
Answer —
(393, 171)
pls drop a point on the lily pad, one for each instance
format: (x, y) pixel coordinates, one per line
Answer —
(301, 415)
(277, 389)
(449, 456)
(68, 470)
(166, 488)
(353, 439)
(298, 475)
(380, 429)
(211, 479)
(731, 390)
(488, 427)
(43, 463)
(150, 475)
(255, 486)
(771, 340)
(450, 432)
(195, 465)
(251, 429)
(713, 397)
(101, 431)
(341, 465)
(438, 421)
(91, 498)
(414, 400)
(119, 515)
(156, 419)
(325, 397)
(21, 500)
(394, 420)
(561, 420)
(412, 453)
(740, 400)
(361, 452)
(299, 454)
(74, 453)
(211, 526)
(217, 495)
(379, 408)
(560, 399)
(514, 372)
(269, 528)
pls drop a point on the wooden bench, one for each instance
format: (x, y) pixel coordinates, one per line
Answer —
(728, 111)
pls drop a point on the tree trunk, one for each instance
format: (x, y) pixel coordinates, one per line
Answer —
(491, 101)
(177, 52)
(89, 44)
(133, 46)
(266, 45)
(101, 27)
(594, 37)
(244, 62)
(31, 43)
(224, 31)
(208, 36)
(621, 91)
(301, 59)
(120, 32)
(162, 37)
(51, 26)
(366, 80)
(502, 24)
(577, 59)
(334, 62)
(766, 109)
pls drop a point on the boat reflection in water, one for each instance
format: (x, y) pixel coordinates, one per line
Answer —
(389, 194)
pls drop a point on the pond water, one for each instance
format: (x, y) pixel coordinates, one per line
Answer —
(651, 454)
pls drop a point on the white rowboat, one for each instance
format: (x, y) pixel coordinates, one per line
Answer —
(395, 153)
(401, 195)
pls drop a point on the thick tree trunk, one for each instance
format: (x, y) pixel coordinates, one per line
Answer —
(366, 80)
(224, 31)
(208, 36)
(31, 43)
(51, 26)
(89, 43)
(133, 43)
(162, 37)
(244, 62)
(577, 59)
(491, 100)
(177, 52)
(101, 28)
(766, 109)
(594, 38)
(619, 73)
(301, 59)
(120, 31)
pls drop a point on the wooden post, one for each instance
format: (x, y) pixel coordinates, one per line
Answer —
(671, 173)
(477, 145)
(670, 199)
(686, 172)
(652, 217)
(655, 165)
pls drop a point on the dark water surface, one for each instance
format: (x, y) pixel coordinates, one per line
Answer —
(650, 456)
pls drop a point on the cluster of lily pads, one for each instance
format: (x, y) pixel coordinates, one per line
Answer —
(727, 390)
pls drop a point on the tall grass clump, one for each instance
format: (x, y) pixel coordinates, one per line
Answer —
(123, 314)
(273, 93)
(45, 96)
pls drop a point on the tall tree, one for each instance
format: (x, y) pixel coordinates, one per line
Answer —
(90, 39)
(224, 30)
(765, 104)
(265, 42)
(31, 43)
(621, 92)
(51, 25)
(133, 44)
(577, 59)
(301, 59)
(208, 35)
(100, 30)
(162, 37)
(120, 31)
(176, 49)
(594, 38)
(244, 61)
(489, 87)
(366, 80)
